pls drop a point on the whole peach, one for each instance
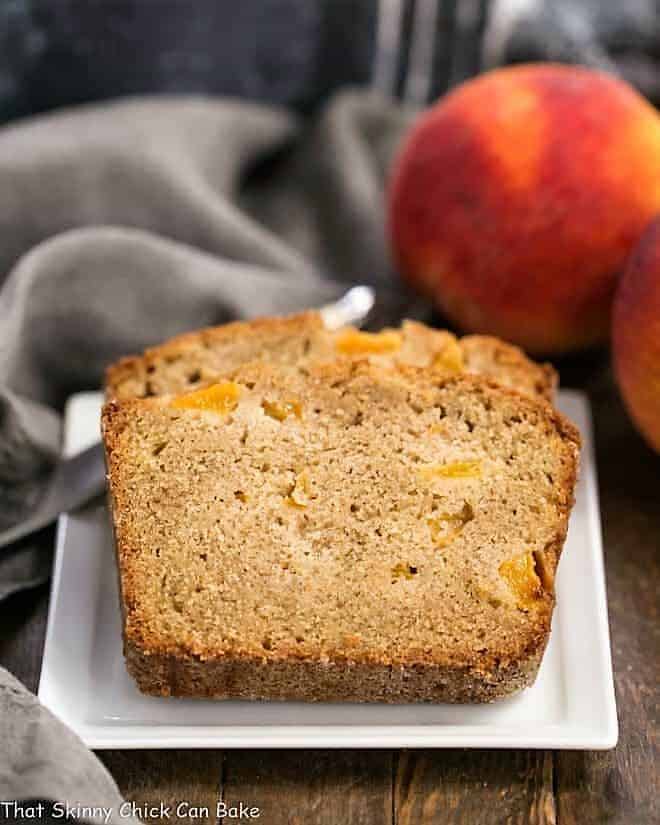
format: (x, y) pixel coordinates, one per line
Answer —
(516, 199)
(636, 335)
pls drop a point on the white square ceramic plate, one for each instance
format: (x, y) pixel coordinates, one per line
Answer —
(85, 683)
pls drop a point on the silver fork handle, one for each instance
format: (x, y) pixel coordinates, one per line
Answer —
(351, 308)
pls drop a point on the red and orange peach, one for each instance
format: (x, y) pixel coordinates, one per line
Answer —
(636, 335)
(517, 198)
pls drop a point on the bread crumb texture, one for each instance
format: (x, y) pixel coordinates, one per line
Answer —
(345, 531)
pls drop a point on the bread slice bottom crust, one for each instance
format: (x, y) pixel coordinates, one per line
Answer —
(325, 681)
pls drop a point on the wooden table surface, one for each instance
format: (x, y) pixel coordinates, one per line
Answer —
(411, 787)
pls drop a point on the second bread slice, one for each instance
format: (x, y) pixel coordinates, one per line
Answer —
(198, 358)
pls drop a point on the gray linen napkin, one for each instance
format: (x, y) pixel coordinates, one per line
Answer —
(123, 224)
(43, 761)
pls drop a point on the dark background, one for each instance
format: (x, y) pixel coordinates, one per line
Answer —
(295, 52)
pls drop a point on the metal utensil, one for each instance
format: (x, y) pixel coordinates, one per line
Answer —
(78, 480)
(75, 481)
(352, 308)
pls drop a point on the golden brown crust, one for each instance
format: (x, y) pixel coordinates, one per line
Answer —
(324, 680)
(537, 379)
(133, 370)
(178, 668)
(298, 324)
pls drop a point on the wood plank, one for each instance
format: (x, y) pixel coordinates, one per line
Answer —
(173, 778)
(23, 619)
(312, 787)
(470, 787)
(623, 786)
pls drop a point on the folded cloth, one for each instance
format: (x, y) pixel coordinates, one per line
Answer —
(45, 766)
(128, 223)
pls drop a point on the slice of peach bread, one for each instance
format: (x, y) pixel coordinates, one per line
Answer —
(345, 532)
(198, 358)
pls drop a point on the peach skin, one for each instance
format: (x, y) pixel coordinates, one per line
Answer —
(636, 335)
(516, 199)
